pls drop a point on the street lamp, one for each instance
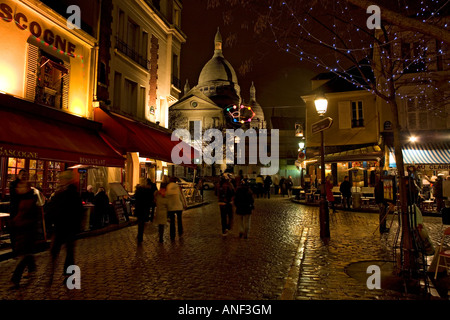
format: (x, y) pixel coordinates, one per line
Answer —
(321, 104)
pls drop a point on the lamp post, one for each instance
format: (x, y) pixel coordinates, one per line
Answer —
(321, 104)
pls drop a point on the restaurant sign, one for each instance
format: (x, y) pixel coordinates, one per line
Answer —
(432, 167)
(93, 161)
(18, 153)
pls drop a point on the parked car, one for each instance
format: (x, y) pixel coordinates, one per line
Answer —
(208, 185)
(185, 183)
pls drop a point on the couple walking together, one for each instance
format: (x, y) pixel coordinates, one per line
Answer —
(170, 203)
(243, 200)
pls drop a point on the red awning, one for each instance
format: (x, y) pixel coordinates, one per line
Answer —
(64, 137)
(127, 135)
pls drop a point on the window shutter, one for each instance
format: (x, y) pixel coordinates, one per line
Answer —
(31, 75)
(65, 88)
(345, 112)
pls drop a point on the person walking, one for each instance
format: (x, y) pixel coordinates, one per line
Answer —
(143, 202)
(225, 193)
(329, 192)
(267, 184)
(289, 184)
(24, 225)
(176, 205)
(346, 191)
(244, 203)
(161, 202)
(382, 204)
(438, 193)
(153, 189)
(283, 186)
(66, 212)
(101, 209)
(238, 179)
(259, 185)
(276, 184)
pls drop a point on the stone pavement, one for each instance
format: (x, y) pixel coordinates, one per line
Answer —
(283, 259)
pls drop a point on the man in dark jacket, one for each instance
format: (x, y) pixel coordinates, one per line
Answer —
(346, 192)
(101, 209)
(66, 213)
(381, 202)
(144, 198)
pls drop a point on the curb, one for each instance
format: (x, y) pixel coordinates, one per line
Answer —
(427, 214)
(45, 245)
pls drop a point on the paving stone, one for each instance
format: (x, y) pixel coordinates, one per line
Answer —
(203, 265)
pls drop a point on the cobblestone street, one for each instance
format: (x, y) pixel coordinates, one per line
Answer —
(283, 259)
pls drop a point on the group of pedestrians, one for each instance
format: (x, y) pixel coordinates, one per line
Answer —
(160, 206)
(262, 186)
(64, 210)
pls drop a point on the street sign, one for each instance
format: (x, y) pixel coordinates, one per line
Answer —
(321, 125)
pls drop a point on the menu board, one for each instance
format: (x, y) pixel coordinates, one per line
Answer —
(446, 189)
(388, 185)
(121, 212)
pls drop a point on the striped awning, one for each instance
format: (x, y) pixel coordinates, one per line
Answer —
(429, 153)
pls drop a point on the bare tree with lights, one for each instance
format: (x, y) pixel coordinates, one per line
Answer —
(335, 36)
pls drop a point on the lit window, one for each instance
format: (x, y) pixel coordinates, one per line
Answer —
(52, 81)
(357, 114)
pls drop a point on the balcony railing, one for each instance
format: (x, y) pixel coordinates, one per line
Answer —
(131, 53)
(176, 82)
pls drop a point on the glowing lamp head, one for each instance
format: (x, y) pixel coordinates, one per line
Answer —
(413, 139)
(321, 105)
(301, 145)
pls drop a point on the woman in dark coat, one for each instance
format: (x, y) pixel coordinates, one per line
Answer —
(24, 225)
(244, 201)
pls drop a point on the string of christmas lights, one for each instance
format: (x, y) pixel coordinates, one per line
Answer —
(422, 76)
(57, 50)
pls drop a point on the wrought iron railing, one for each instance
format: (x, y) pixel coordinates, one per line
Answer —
(176, 82)
(123, 47)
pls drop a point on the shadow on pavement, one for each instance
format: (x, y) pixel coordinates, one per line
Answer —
(390, 281)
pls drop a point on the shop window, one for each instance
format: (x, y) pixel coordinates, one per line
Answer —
(36, 173)
(357, 114)
(14, 166)
(52, 82)
(54, 168)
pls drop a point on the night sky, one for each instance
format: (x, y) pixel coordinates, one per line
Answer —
(280, 78)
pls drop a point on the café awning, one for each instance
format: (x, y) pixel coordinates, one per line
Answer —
(424, 153)
(32, 131)
(128, 135)
(370, 153)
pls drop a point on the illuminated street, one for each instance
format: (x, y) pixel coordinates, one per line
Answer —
(283, 258)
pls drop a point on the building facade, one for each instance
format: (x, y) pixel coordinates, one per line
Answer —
(138, 79)
(421, 81)
(46, 101)
(216, 102)
(352, 142)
